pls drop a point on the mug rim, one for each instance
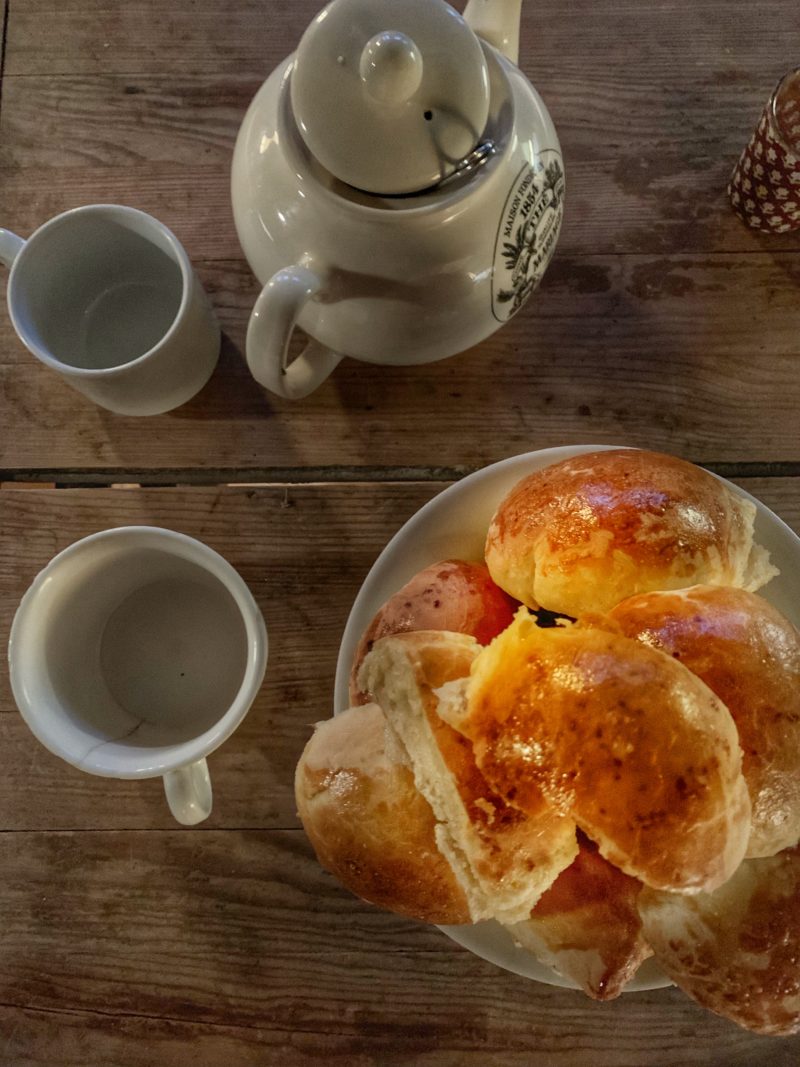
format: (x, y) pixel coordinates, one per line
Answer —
(160, 759)
(180, 256)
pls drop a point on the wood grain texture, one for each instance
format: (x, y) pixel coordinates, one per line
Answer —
(303, 550)
(103, 36)
(107, 120)
(193, 199)
(643, 213)
(642, 199)
(650, 183)
(663, 321)
(686, 354)
(195, 944)
(671, 345)
(652, 109)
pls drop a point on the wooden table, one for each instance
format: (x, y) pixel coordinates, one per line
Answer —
(662, 322)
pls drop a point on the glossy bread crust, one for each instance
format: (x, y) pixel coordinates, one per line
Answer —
(368, 824)
(749, 655)
(621, 738)
(583, 534)
(453, 595)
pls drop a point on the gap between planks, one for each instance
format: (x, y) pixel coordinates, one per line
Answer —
(3, 42)
(65, 831)
(110, 478)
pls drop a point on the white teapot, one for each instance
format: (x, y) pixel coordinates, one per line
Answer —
(397, 188)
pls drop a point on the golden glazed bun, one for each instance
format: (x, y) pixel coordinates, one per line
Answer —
(583, 534)
(735, 951)
(749, 655)
(621, 738)
(587, 926)
(450, 595)
(504, 858)
(368, 824)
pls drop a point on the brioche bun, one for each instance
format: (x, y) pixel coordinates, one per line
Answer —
(735, 951)
(749, 655)
(621, 738)
(504, 858)
(368, 824)
(587, 926)
(452, 595)
(583, 534)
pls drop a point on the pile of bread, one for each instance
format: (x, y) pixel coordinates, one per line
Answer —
(592, 738)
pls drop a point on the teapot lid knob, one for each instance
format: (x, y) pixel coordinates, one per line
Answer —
(391, 67)
(390, 95)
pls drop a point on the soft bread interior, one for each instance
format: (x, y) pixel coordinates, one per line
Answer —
(751, 566)
(758, 570)
(503, 858)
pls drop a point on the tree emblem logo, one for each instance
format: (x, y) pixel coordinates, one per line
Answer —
(527, 234)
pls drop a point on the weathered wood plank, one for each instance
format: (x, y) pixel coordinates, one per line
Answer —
(303, 550)
(780, 494)
(624, 207)
(237, 940)
(639, 181)
(194, 202)
(106, 120)
(104, 36)
(652, 107)
(110, 118)
(694, 354)
(101, 36)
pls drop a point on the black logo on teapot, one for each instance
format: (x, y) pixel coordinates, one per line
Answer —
(528, 232)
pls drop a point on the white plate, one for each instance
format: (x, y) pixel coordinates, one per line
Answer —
(454, 525)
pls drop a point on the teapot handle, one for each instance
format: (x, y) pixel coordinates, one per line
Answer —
(269, 332)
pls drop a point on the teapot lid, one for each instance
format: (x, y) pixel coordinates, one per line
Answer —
(390, 95)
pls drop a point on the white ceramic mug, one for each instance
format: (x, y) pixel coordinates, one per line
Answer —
(106, 296)
(134, 654)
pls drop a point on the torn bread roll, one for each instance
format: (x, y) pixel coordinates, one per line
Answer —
(368, 824)
(583, 534)
(749, 655)
(504, 858)
(620, 737)
(587, 926)
(735, 951)
(453, 595)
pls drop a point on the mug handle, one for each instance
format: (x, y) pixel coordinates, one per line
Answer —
(10, 247)
(270, 330)
(188, 791)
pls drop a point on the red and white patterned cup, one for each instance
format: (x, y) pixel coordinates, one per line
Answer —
(764, 189)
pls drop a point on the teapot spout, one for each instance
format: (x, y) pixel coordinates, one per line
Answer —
(496, 21)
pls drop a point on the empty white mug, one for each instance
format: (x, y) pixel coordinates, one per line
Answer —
(106, 296)
(134, 654)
